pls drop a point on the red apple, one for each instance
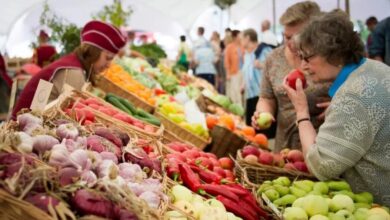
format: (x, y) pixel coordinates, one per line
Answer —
(215, 162)
(204, 162)
(226, 163)
(251, 158)
(295, 155)
(191, 154)
(301, 166)
(250, 150)
(289, 166)
(278, 160)
(266, 158)
(292, 78)
(229, 175)
(219, 171)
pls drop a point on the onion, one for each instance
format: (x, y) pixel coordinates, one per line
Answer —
(26, 142)
(151, 198)
(88, 203)
(44, 143)
(68, 175)
(79, 159)
(89, 177)
(59, 155)
(109, 156)
(43, 201)
(124, 214)
(68, 131)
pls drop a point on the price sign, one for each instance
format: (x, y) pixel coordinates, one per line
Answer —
(42, 94)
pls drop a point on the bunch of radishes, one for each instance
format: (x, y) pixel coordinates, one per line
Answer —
(100, 159)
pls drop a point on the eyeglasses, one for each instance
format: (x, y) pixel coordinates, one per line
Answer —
(306, 58)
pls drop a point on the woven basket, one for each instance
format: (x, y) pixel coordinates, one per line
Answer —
(225, 142)
(64, 101)
(256, 173)
(181, 132)
(108, 86)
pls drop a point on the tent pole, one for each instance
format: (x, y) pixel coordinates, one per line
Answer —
(347, 7)
(274, 16)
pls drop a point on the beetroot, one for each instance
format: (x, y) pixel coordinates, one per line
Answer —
(42, 201)
(109, 135)
(89, 203)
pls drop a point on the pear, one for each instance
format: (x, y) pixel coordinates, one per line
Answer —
(344, 192)
(264, 187)
(361, 214)
(333, 216)
(285, 200)
(339, 185)
(364, 197)
(284, 181)
(272, 194)
(341, 202)
(305, 185)
(294, 213)
(362, 205)
(282, 190)
(321, 187)
(297, 191)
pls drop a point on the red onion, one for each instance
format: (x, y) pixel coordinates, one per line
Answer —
(59, 155)
(68, 175)
(79, 158)
(109, 156)
(43, 143)
(88, 203)
(108, 134)
(43, 201)
(27, 119)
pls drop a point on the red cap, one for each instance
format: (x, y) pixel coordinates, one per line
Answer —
(103, 35)
(43, 35)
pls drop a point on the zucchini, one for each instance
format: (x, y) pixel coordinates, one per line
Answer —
(115, 102)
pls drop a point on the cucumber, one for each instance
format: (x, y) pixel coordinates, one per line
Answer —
(153, 121)
(115, 102)
(128, 105)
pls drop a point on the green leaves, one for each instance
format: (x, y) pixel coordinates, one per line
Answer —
(115, 14)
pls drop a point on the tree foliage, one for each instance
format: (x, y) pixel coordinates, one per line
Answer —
(115, 14)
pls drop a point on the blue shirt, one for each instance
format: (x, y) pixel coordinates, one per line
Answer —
(204, 56)
(253, 75)
(343, 75)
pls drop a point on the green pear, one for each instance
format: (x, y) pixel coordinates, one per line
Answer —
(341, 202)
(284, 181)
(343, 192)
(315, 193)
(333, 216)
(180, 193)
(361, 214)
(294, 213)
(364, 197)
(269, 182)
(298, 202)
(282, 190)
(297, 191)
(339, 185)
(315, 205)
(285, 200)
(263, 188)
(321, 187)
(305, 185)
(272, 194)
(346, 214)
(362, 205)
(319, 217)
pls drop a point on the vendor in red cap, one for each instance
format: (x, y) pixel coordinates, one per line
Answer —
(45, 53)
(99, 43)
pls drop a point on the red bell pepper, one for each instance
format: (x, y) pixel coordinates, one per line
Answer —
(216, 190)
(173, 172)
(190, 179)
(159, 92)
(235, 208)
(209, 177)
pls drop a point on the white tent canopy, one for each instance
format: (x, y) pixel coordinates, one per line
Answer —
(167, 18)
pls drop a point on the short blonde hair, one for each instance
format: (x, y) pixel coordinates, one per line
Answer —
(299, 13)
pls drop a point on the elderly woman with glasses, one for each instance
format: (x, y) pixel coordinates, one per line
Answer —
(354, 140)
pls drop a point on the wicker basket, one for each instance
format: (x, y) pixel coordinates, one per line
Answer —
(225, 142)
(108, 86)
(256, 173)
(181, 132)
(64, 101)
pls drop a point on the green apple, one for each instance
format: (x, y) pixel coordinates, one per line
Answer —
(272, 194)
(294, 213)
(284, 181)
(346, 214)
(319, 217)
(333, 216)
(180, 193)
(298, 202)
(174, 215)
(321, 187)
(341, 202)
(264, 120)
(185, 206)
(361, 214)
(315, 205)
